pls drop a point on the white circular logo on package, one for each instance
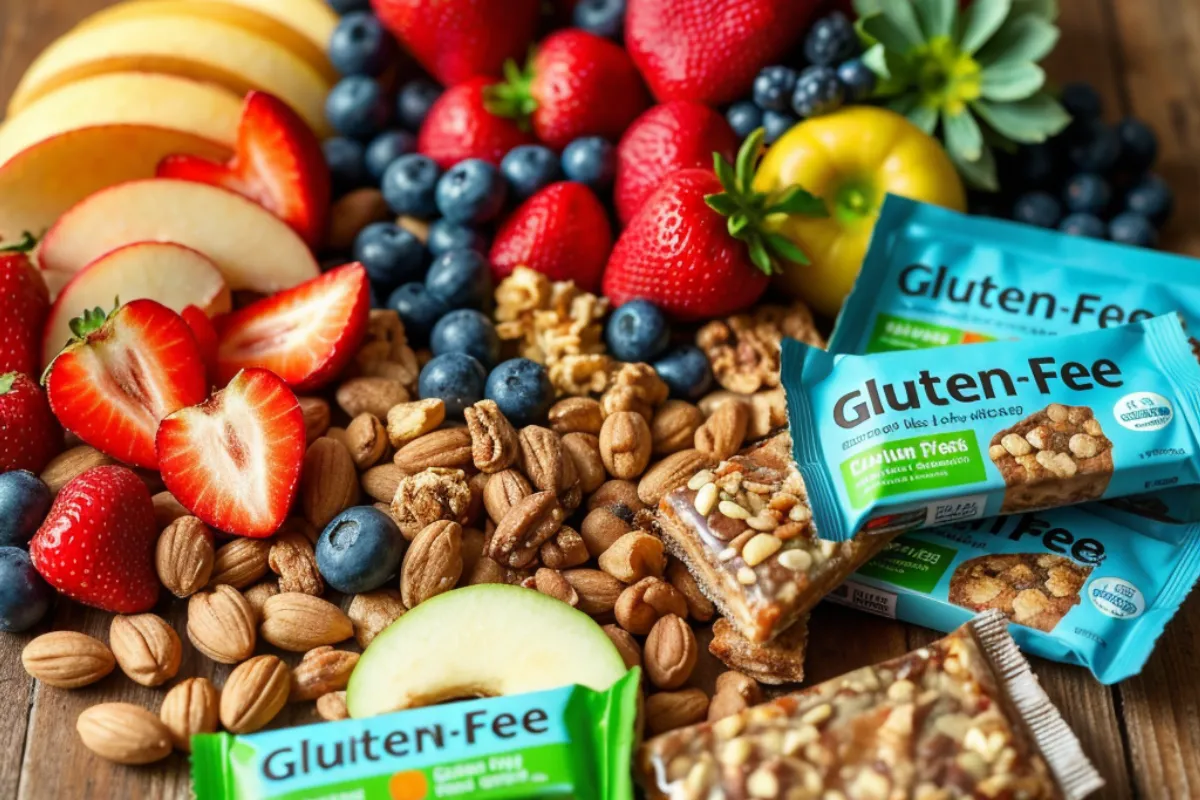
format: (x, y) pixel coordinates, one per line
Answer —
(1143, 411)
(1116, 598)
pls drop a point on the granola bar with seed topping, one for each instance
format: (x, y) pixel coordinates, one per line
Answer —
(1031, 589)
(961, 718)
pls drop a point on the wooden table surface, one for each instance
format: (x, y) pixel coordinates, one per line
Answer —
(1144, 734)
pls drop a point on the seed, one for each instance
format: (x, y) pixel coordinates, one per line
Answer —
(760, 548)
(763, 522)
(746, 576)
(706, 498)
(818, 714)
(732, 510)
(796, 559)
(727, 554)
(700, 480)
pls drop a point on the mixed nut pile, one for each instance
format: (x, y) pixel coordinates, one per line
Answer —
(565, 509)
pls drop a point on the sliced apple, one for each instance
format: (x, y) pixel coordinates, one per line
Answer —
(313, 19)
(172, 274)
(41, 183)
(127, 98)
(202, 49)
(252, 247)
(245, 17)
(461, 644)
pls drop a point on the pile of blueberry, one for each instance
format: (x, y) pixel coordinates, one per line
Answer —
(832, 73)
(638, 332)
(24, 596)
(1093, 180)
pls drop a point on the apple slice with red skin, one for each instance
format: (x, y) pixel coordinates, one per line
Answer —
(306, 335)
(172, 274)
(278, 164)
(234, 460)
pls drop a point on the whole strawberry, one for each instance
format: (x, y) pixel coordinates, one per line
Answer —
(29, 433)
(97, 543)
(561, 232)
(459, 126)
(710, 51)
(576, 84)
(699, 246)
(665, 139)
(26, 305)
(455, 40)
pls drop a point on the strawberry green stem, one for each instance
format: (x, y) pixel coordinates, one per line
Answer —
(513, 97)
(26, 245)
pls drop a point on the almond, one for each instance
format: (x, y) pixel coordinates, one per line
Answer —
(184, 556)
(551, 583)
(669, 474)
(300, 622)
(321, 671)
(221, 624)
(146, 648)
(167, 509)
(254, 693)
(627, 646)
(67, 659)
(371, 612)
(735, 692)
(601, 528)
(668, 711)
(292, 558)
(494, 444)
(189, 708)
(598, 591)
(409, 421)
(674, 427)
(329, 482)
(448, 448)
(367, 440)
(371, 395)
(528, 524)
(503, 490)
(619, 495)
(670, 653)
(576, 415)
(70, 464)
(380, 482)
(257, 595)
(316, 417)
(240, 562)
(124, 733)
(724, 432)
(433, 563)
(625, 444)
(583, 450)
(332, 707)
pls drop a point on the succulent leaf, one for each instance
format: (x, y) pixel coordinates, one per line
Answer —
(1027, 37)
(981, 172)
(903, 18)
(1046, 9)
(963, 137)
(938, 17)
(980, 22)
(1028, 121)
(1014, 81)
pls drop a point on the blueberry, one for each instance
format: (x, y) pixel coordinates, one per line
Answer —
(467, 331)
(1095, 148)
(1081, 224)
(744, 117)
(773, 87)
(1037, 164)
(776, 123)
(591, 161)
(359, 550)
(24, 596)
(818, 91)
(360, 45)
(637, 332)
(686, 371)
(522, 390)
(24, 501)
(1152, 198)
(414, 101)
(831, 40)
(470, 191)
(445, 236)
(418, 309)
(1037, 208)
(460, 279)
(1082, 102)
(454, 378)
(1139, 145)
(858, 79)
(348, 6)
(1133, 229)
(357, 107)
(391, 255)
(529, 168)
(1088, 193)
(386, 148)
(347, 164)
(409, 185)
(602, 17)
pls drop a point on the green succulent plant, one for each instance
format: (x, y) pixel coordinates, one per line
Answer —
(969, 76)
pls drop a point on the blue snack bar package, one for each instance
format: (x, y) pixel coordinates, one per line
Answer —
(890, 442)
(1077, 587)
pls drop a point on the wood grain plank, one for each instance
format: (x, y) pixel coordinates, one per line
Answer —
(16, 696)
(28, 26)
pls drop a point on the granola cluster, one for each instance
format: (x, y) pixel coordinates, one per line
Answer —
(744, 349)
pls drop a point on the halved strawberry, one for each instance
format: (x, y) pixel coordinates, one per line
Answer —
(206, 338)
(121, 374)
(234, 460)
(305, 335)
(278, 164)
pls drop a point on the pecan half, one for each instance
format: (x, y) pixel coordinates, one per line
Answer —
(524, 528)
(494, 444)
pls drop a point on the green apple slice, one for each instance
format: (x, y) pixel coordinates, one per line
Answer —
(481, 641)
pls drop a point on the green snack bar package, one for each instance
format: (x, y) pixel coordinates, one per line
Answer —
(1077, 587)
(563, 743)
(896, 441)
